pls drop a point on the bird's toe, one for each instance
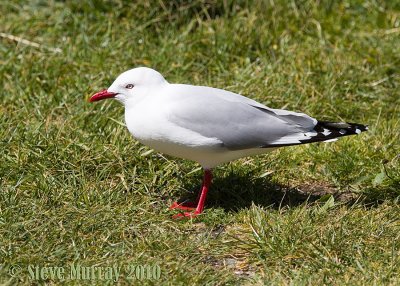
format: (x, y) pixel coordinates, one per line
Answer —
(185, 206)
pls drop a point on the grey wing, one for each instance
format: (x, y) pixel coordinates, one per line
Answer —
(237, 122)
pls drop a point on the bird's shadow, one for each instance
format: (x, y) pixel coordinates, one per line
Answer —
(237, 191)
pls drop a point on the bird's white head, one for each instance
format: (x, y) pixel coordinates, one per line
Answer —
(124, 87)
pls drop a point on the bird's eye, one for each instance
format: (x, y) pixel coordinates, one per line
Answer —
(129, 86)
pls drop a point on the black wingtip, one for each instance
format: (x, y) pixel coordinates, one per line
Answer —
(326, 131)
(344, 128)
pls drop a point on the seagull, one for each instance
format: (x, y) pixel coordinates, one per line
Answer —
(208, 125)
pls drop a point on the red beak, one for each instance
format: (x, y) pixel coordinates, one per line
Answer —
(102, 95)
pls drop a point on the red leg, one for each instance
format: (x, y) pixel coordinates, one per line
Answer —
(202, 198)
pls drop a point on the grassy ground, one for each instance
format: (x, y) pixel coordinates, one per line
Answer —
(75, 187)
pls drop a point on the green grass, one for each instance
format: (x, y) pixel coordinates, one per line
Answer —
(75, 187)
